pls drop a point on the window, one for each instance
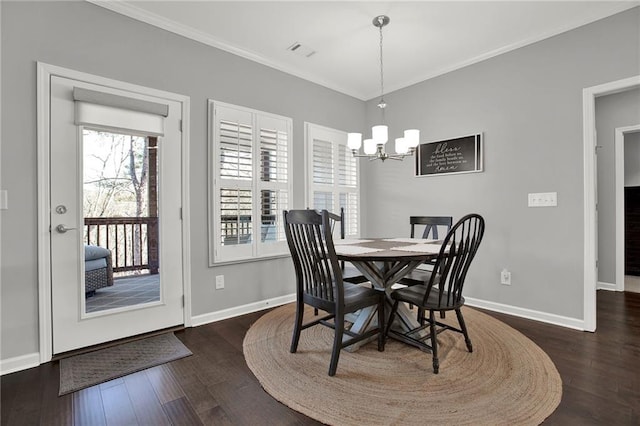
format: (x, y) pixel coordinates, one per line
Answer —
(334, 175)
(251, 182)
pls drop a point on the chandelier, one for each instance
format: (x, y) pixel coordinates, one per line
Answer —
(374, 147)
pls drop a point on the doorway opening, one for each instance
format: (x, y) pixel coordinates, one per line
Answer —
(590, 221)
(627, 181)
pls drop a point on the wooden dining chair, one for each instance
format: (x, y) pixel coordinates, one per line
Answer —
(319, 283)
(443, 291)
(430, 231)
(431, 224)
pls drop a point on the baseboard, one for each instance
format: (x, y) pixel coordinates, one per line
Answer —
(241, 310)
(560, 320)
(606, 286)
(19, 363)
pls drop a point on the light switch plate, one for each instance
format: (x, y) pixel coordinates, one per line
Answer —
(543, 199)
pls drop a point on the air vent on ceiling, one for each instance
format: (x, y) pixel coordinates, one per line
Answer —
(301, 50)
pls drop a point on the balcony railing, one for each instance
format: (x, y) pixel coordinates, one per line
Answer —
(133, 241)
(238, 229)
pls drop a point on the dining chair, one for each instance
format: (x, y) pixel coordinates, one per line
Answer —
(319, 283)
(431, 223)
(443, 291)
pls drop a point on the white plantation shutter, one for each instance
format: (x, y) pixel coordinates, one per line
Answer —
(323, 161)
(323, 200)
(348, 187)
(273, 203)
(236, 208)
(274, 155)
(349, 201)
(236, 150)
(274, 181)
(251, 182)
(334, 175)
(347, 167)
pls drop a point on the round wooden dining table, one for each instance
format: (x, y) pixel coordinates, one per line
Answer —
(384, 262)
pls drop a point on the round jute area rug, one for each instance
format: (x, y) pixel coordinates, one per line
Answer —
(507, 380)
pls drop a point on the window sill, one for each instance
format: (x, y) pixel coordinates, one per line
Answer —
(249, 259)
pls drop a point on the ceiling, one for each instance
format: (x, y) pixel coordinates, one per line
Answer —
(424, 38)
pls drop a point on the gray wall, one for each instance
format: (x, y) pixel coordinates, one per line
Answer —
(612, 111)
(528, 104)
(632, 158)
(85, 37)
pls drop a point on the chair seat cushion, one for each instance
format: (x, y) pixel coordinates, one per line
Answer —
(95, 252)
(357, 296)
(92, 265)
(415, 295)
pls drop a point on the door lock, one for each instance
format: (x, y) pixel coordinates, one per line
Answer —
(62, 229)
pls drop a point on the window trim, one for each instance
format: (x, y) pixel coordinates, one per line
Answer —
(309, 129)
(256, 250)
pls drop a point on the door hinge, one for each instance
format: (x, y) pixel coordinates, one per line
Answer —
(180, 213)
(183, 300)
(180, 124)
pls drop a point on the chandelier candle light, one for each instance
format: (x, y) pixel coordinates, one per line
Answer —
(374, 147)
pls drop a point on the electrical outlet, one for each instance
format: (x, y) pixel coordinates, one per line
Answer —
(219, 282)
(505, 277)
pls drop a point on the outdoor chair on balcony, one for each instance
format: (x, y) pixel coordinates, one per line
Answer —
(98, 269)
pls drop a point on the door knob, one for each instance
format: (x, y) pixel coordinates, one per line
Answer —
(62, 229)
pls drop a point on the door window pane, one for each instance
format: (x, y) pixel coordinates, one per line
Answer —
(120, 207)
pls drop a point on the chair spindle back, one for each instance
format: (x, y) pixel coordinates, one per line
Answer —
(310, 242)
(457, 252)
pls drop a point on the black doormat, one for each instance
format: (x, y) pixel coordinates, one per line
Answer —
(81, 371)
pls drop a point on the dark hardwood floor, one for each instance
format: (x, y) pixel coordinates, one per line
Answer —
(600, 373)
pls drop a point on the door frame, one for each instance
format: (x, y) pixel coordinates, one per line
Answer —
(590, 253)
(44, 73)
(620, 133)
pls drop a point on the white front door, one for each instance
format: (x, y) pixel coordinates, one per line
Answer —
(87, 165)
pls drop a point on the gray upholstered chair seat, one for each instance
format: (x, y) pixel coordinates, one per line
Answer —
(98, 269)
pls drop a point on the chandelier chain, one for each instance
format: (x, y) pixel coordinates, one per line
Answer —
(382, 103)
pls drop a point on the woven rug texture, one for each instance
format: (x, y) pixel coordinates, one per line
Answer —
(84, 370)
(507, 379)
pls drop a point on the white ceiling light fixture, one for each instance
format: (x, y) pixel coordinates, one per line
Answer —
(374, 147)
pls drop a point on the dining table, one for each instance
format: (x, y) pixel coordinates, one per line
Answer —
(384, 262)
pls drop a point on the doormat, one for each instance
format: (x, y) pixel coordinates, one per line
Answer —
(85, 370)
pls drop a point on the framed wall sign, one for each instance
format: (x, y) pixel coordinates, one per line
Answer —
(450, 156)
